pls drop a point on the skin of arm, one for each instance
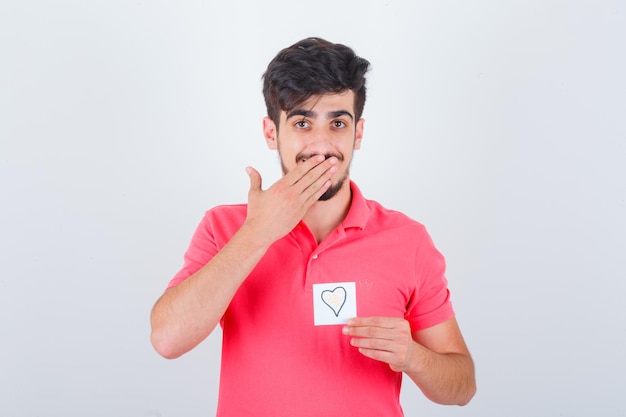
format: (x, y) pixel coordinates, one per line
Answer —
(186, 314)
(436, 359)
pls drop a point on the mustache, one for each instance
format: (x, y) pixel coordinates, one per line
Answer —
(301, 157)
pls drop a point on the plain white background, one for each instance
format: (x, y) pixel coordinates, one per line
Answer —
(499, 125)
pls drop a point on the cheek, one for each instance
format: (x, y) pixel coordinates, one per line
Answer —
(288, 155)
(287, 160)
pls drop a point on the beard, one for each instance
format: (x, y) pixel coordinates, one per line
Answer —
(332, 190)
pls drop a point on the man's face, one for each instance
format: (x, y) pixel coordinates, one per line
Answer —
(323, 125)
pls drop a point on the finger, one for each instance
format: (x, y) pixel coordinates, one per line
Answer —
(308, 187)
(255, 179)
(384, 322)
(306, 172)
(383, 356)
(314, 191)
(316, 181)
(392, 354)
(370, 332)
(372, 344)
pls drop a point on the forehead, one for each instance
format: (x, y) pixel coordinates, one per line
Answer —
(321, 104)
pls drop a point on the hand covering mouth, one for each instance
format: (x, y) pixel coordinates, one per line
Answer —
(300, 158)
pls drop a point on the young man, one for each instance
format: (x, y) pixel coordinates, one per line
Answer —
(325, 298)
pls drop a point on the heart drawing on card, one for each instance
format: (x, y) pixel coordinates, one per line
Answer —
(335, 299)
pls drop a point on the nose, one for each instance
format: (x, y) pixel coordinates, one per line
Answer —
(321, 143)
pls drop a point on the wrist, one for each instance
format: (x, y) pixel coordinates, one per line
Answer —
(253, 238)
(418, 359)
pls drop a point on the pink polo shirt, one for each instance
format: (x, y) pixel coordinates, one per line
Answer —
(275, 361)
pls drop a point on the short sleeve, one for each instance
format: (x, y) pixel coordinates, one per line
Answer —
(430, 303)
(201, 250)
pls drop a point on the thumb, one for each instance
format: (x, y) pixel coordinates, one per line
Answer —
(255, 179)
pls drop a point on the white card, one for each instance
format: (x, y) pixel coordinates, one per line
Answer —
(334, 303)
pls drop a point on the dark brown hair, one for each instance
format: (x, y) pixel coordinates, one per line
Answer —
(310, 67)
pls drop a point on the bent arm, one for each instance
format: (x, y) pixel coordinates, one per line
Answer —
(187, 313)
(442, 366)
(436, 359)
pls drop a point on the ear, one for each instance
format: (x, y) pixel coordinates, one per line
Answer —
(358, 133)
(270, 131)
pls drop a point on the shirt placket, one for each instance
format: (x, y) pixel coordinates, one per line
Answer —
(316, 262)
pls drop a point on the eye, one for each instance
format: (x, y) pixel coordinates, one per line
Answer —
(338, 124)
(301, 124)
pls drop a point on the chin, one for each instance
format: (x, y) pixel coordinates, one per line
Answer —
(332, 191)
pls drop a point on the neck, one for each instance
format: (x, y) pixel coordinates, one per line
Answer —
(324, 216)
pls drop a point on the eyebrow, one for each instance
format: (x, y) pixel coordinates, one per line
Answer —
(312, 114)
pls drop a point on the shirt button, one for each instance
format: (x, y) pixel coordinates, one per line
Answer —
(315, 256)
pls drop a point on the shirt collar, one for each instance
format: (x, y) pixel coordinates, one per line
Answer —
(359, 211)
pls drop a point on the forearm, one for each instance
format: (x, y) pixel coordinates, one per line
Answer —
(445, 378)
(186, 314)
